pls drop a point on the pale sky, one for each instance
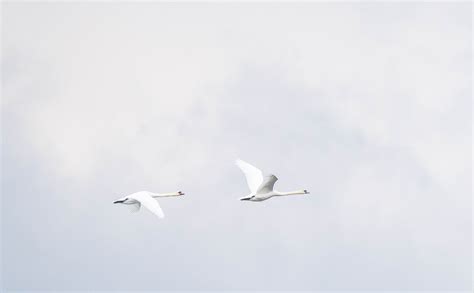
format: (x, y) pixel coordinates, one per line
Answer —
(368, 106)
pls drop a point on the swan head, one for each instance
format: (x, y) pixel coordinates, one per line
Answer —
(305, 191)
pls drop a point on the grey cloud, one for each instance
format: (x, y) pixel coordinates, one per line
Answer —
(380, 215)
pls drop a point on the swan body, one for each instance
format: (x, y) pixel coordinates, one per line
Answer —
(147, 199)
(261, 188)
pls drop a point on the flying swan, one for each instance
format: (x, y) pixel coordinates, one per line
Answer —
(147, 199)
(261, 188)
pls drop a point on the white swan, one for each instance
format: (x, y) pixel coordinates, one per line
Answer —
(261, 188)
(147, 199)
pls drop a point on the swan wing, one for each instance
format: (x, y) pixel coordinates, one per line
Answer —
(252, 174)
(151, 204)
(267, 184)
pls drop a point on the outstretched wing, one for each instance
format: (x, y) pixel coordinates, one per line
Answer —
(252, 174)
(267, 184)
(151, 204)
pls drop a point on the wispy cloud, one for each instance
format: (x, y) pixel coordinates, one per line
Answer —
(366, 105)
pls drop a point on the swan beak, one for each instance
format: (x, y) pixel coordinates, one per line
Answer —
(117, 201)
(306, 192)
(180, 193)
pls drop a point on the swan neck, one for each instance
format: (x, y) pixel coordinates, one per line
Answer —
(292, 192)
(165, 194)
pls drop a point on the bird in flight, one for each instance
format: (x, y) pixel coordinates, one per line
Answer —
(261, 188)
(147, 199)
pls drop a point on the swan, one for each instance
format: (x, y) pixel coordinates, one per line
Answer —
(147, 199)
(261, 188)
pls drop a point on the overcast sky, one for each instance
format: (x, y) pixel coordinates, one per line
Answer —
(368, 106)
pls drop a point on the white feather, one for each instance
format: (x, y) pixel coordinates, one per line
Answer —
(145, 199)
(253, 175)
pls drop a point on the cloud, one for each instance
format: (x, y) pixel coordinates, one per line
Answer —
(367, 106)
